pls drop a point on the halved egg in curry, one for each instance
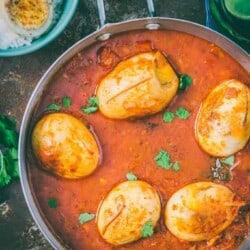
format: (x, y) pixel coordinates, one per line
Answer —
(65, 146)
(141, 85)
(223, 122)
(201, 211)
(126, 209)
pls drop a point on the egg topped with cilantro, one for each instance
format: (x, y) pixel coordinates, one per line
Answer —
(129, 211)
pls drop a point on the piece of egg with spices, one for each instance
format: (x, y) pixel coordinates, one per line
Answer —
(201, 211)
(65, 146)
(126, 209)
(223, 122)
(141, 85)
(28, 18)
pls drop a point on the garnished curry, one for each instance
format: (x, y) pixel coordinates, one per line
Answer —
(158, 184)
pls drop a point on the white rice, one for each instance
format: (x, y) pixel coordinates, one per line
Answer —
(10, 39)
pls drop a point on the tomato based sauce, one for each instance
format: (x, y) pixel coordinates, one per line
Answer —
(132, 144)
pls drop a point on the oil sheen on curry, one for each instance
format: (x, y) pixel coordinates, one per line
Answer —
(142, 142)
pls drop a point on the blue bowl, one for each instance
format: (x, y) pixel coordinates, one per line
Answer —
(68, 11)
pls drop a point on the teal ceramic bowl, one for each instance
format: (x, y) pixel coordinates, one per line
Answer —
(69, 8)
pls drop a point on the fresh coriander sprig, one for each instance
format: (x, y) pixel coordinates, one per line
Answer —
(52, 202)
(85, 217)
(163, 160)
(9, 150)
(65, 102)
(184, 81)
(181, 113)
(147, 229)
(131, 176)
(93, 105)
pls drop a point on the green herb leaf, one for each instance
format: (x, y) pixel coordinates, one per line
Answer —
(85, 217)
(53, 106)
(185, 81)
(11, 159)
(176, 166)
(163, 160)
(4, 177)
(182, 113)
(93, 105)
(168, 116)
(147, 230)
(52, 202)
(93, 101)
(89, 110)
(229, 160)
(8, 154)
(131, 176)
(66, 101)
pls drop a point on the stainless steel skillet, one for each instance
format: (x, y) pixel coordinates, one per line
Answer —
(107, 31)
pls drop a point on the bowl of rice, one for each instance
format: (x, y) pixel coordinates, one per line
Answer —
(28, 25)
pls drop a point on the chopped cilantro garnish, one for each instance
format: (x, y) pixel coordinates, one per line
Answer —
(92, 107)
(8, 150)
(182, 113)
(93, 101)
(89, 110)
(229, 160)
(185, 81)
(147, 230)
(168, 116)
(131, 176)
(66, 101)
(53, 106)
(52, 202)
(4, 177)
(85, 217)
(176, 166)
(163, 159)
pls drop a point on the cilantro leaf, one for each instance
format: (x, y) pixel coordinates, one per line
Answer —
(162, 159)
(9, 154)
(52, 202)
(89, 110)
(11, 157)
(7, 123)
(176, 166)
(182, 113)
(229, 160)
(93, 101)
(53, 106)
(131, 176)
(147, 230)
(4, 177)
(85, 217)
(185, 81)
(168, 116)
(92, 107)
(66, 101)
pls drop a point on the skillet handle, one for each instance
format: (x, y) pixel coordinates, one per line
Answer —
(102, 14)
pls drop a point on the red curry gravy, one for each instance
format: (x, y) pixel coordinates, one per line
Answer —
(131, 145)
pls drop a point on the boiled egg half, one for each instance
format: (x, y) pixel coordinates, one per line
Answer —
(29, 18)
(200, 211)
(126, 209)
(65, 146)
(223, 122)
(141, 85)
